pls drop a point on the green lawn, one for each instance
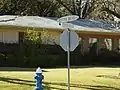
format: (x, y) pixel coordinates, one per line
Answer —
(56, 79)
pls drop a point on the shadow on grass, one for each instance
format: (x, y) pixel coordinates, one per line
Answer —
(47, 85)
(109, 76)
(90, 87)
(17, 81)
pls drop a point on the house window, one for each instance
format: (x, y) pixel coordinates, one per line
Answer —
(9, 37)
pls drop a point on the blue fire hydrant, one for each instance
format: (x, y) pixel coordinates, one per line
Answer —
(39, 77)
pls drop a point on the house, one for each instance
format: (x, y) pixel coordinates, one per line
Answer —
(13, 27)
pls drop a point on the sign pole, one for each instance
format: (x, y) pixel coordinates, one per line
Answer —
(68, 59)
(69, 40)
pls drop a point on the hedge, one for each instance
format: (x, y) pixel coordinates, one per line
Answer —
(16, 55)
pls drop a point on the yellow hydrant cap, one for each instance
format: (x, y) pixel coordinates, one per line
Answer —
(38, 70)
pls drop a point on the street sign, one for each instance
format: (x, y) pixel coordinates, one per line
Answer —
(69, 40)
(74, 40)
(68, 18)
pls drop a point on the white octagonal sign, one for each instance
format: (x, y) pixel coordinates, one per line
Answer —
(64, 40)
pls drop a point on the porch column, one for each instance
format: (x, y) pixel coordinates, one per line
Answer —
(100, 43)
(115, 44)
(85, 45)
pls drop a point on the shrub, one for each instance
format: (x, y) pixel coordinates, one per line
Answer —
(2, 60)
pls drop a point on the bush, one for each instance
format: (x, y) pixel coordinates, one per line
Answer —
(48, 61)
(2, 60)
(53, 56)
(11, 60)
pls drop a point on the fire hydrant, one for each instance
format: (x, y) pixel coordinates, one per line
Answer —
(39, 77)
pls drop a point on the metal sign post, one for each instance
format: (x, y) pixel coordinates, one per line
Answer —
(68, 59)
(69, 40)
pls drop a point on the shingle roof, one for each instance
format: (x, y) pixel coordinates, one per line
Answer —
(51, 22)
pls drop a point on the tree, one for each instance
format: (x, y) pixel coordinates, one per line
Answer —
(82, 8)
(112, 7)
(47, 38)
(33, 36)
(29, 7)
(31, 45)
(95, 9)
(106, 9)
(45, 7)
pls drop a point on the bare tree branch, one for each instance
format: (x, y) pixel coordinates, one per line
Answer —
(79, 9)
(112, 12)
(74, 6)
(60, 2)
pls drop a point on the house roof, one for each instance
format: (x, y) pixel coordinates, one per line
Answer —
(51, 22)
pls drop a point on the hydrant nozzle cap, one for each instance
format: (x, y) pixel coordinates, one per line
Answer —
(38, 70)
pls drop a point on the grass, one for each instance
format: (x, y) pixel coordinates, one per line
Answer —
(96, 78)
